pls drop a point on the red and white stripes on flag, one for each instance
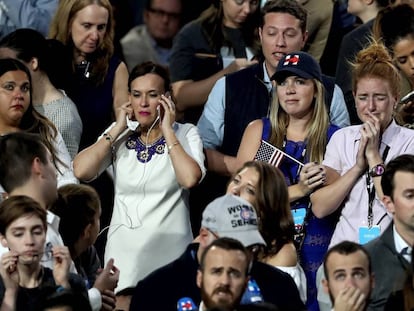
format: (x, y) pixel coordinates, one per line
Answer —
(272, 155)
(269, 153)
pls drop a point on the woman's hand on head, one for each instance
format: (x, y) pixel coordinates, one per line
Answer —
(167, 112)
(125, 111)
(311, 177)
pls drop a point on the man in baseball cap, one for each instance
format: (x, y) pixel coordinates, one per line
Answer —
(226, 216)
(233, 217)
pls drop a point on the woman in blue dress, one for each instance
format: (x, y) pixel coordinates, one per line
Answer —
(298, 124)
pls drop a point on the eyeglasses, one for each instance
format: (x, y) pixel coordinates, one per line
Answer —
(161, 13)
(45, 256)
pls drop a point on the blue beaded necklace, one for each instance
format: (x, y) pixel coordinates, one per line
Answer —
(145, 152)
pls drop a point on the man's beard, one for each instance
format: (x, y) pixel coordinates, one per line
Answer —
(224, 305)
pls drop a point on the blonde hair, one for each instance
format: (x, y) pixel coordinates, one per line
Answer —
(60, 29)
(317, 128)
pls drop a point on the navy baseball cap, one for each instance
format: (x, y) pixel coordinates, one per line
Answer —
(299, 64)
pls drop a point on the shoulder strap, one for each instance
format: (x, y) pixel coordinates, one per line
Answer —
(266, 129)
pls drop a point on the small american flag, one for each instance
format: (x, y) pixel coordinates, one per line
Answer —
(269, 153)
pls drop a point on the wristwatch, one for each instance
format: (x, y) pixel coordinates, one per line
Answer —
(377, 170)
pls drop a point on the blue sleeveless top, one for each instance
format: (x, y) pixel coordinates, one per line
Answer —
(317, 232)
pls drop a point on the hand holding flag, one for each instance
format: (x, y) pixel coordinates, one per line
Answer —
(272, 155)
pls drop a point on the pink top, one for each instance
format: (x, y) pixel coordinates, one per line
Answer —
(340, 155)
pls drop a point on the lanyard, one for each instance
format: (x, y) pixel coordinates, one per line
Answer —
(371, 191)
(371, 196)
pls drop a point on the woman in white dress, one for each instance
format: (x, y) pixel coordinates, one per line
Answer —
(155, 162)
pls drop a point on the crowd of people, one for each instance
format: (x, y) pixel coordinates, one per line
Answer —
(218, 155)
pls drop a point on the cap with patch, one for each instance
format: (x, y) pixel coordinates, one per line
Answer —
(234, 217)
(299, 64)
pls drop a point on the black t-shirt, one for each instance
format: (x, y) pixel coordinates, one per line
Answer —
(236, 41)
(163, 288)
(29, 298)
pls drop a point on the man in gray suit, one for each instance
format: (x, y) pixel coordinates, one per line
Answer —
(152, 41)
(391, 252)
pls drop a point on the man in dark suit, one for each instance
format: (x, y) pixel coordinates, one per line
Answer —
(391, 252)
(227, 216)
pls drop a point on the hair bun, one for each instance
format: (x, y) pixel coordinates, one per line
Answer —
(375, 61)
(375, 52)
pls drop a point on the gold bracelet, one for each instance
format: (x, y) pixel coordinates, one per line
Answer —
(172, 145)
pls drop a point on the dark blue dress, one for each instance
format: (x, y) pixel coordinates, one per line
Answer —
(95, 104)
(317, 232)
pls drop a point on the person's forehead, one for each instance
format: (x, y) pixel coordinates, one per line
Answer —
(356, 260)
(219, 257)
(93, 13)
(14, 75)
(404, 42)
(7, 52)
(148, 81)
(404, 180)
(251, 174)
(25, 221)
(170, 5)
(281, 20)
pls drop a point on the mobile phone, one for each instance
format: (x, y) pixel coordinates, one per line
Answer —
(407, 98)
(160, 110)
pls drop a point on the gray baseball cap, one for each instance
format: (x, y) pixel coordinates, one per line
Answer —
(234, 217)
